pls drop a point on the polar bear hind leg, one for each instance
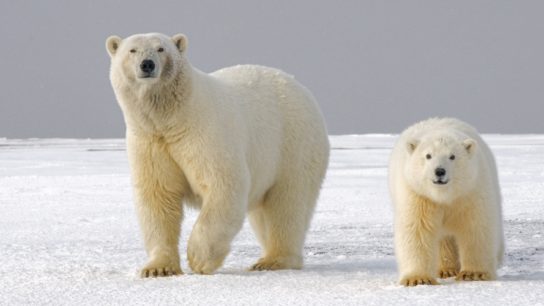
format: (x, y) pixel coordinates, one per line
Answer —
(282, 221)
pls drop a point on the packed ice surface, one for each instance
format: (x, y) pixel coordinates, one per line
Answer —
(69, 234)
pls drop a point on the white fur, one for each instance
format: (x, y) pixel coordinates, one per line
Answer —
(450, 229)
(244, 139)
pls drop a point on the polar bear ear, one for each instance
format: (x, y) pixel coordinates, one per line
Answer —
(470, 145)
(180, 41)
(411, 145)
(112, 44)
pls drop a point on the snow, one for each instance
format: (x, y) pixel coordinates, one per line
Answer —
(69, 234)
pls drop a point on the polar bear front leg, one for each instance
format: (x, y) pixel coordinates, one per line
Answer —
(476, 241)
(220, 219)
(449, 258)
(161, 230)
(417, 243)
(158, 192)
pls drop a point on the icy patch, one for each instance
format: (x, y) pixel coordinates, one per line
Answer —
(69, 235)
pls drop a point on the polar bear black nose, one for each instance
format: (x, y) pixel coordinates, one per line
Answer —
(147, 66)
(440, 172)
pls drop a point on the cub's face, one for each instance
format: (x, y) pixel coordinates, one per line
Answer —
(441, 168)
(145, 58)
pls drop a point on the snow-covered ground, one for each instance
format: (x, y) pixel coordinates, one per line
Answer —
(69, 235)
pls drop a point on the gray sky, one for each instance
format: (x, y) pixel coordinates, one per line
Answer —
(374, 66)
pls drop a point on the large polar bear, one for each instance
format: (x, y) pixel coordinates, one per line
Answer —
(444, 186)
(244, 139)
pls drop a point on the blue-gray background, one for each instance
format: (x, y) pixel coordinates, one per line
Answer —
(374, 66)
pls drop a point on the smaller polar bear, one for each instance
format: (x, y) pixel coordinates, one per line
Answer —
(241, 140)
(445, 190)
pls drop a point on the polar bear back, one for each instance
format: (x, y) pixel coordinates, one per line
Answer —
(284, 128)
(265, 86)
(272, 101)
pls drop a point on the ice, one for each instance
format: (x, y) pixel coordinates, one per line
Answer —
(69, 234)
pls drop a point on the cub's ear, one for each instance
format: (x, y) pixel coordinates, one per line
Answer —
(112, 44)
(470, 145)
(180, 41)
(411, 145)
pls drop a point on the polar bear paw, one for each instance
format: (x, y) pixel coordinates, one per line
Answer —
(473, 276)
(415, 280)
(153, 270)
(202, 265)
(448, 272)
(277, 263)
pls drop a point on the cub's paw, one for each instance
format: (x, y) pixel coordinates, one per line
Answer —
(277, 263)
(160, 271)
(473, 276)
(448, 272)
(415, 280)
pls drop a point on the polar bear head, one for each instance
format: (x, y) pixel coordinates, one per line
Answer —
(441, 167)
(146, 59)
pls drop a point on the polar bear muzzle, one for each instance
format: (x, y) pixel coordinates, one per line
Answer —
(440, 176)
(147, 67)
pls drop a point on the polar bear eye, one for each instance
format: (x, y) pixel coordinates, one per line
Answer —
(452, 157)
(161, 49)
(132, 50)
(428, 156)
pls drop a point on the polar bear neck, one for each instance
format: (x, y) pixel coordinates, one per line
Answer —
(165, 97)
(154, 107)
